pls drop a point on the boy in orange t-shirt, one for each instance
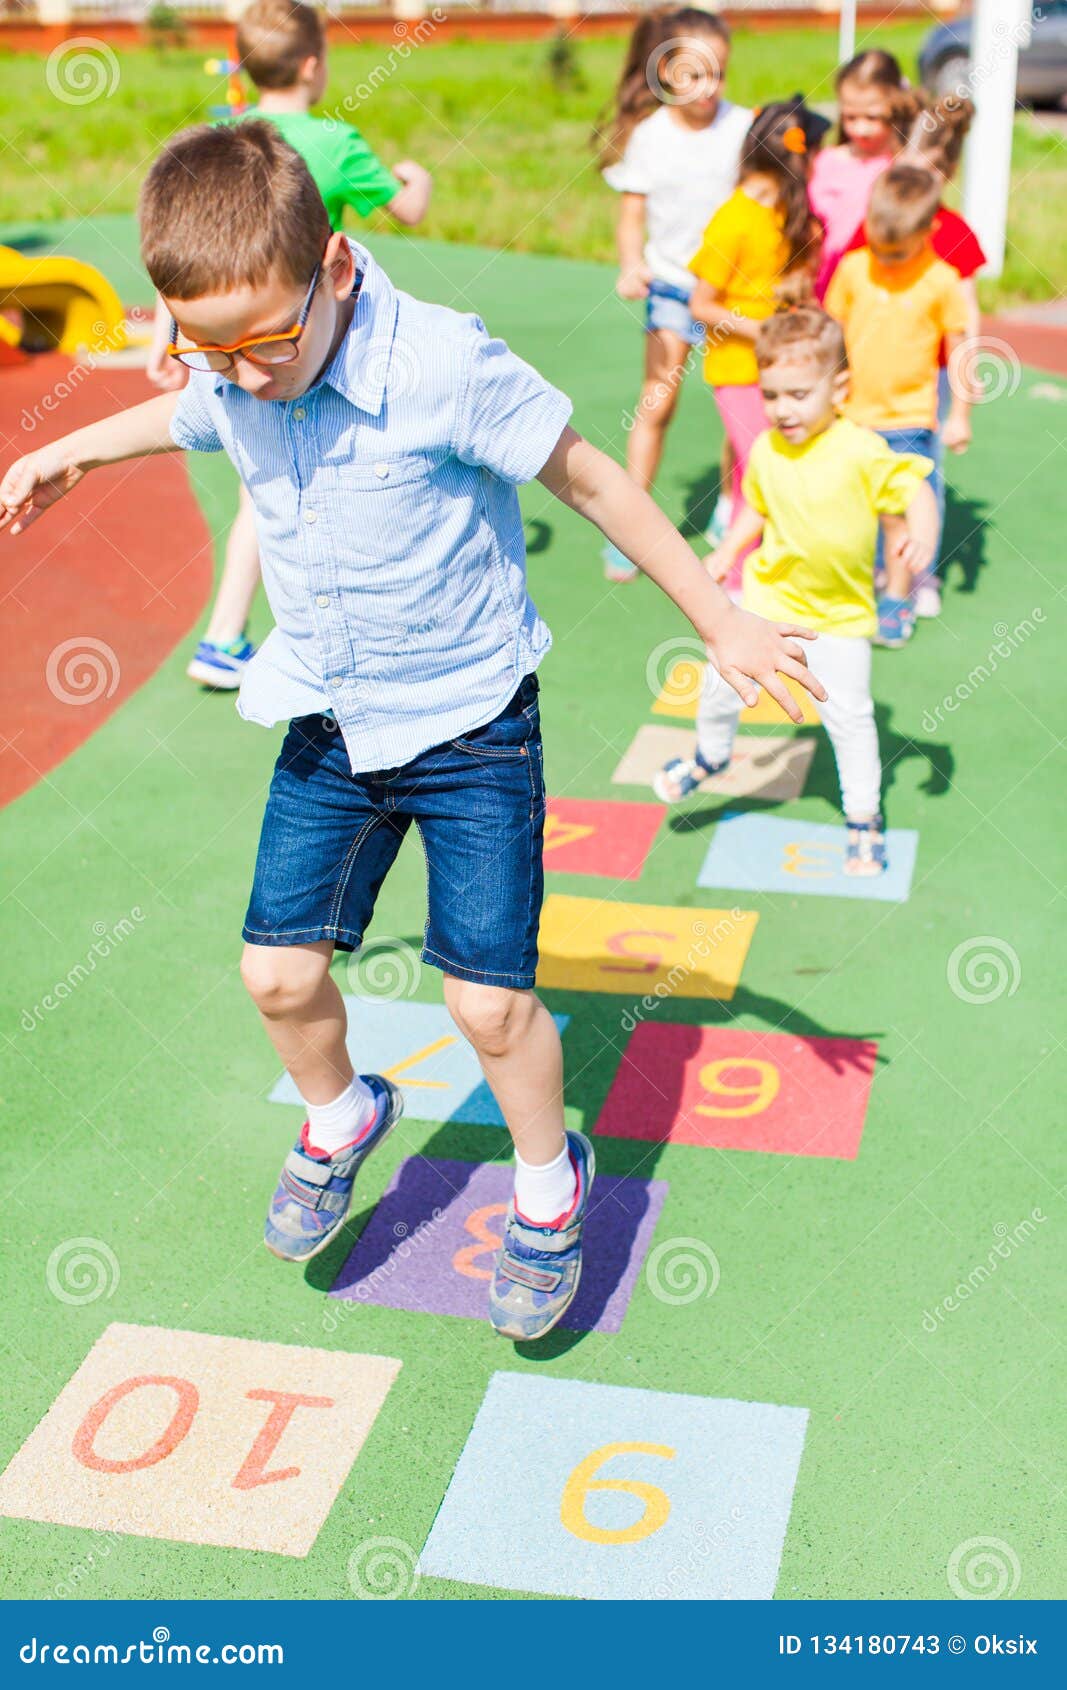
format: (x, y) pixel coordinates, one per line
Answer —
(897, 301)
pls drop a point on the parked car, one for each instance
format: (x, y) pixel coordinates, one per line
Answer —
(945, 56)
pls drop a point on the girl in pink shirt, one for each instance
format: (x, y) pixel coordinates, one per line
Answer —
(875, 109)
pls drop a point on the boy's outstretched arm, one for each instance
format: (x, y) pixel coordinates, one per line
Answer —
(911, 540)
(745, 648)
(33, 483)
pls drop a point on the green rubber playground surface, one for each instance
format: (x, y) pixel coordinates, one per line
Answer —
(140, 1118)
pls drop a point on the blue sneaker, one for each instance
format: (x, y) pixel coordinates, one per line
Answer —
(537, 1268)
(896, 623)
(221, 666)
(314, 1193)
(865, 852)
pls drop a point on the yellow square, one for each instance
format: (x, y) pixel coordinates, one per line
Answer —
(590, 945)
(200, 1439)
(681, 695)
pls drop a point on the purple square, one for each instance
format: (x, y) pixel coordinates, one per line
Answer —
(429, 1244)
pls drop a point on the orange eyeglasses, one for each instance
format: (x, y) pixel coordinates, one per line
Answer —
(281, 348)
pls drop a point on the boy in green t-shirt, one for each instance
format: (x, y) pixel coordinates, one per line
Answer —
(281, 44)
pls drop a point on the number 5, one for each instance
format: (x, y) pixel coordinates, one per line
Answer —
(572, 1503)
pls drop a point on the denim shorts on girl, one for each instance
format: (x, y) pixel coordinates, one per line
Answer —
(330, 837)
(667, 307)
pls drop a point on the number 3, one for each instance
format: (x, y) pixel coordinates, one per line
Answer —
(572, 1504)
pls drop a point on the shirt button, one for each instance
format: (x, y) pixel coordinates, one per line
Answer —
(322, 601)
(299, 414)
(335, 680)
(310, 516)
(381, 470)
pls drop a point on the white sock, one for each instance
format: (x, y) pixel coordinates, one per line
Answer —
(332, 1126)
(545, 1192)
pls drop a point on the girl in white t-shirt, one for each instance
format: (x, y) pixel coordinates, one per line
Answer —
(670, 149)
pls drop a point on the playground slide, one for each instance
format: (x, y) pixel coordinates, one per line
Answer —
(59, 303)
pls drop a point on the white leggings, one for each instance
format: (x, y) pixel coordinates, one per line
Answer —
(844, 668)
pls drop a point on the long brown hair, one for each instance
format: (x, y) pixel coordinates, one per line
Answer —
(873, 68)
(636, 95)
(780, 142)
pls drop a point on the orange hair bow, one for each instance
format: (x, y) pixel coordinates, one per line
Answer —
(794, 140)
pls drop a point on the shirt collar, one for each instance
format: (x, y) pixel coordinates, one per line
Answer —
(359, 369)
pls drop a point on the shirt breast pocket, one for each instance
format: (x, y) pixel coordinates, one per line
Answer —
(392, 503)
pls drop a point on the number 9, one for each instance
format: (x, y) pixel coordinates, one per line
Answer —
(759, 1094)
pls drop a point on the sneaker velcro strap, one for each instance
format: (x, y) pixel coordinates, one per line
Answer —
(306, 1170)
(309, 1195)
(524, 1273)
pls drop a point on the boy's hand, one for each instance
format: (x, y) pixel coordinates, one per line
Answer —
(746, 649)
(168, 374)
(913, 552)
(33, 483)
(956, 434)
(720, 562)
(633, 283)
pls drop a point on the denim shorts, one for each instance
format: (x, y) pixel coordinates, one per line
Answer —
(329, 838)
(667, 307)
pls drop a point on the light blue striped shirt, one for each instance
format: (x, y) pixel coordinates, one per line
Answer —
(392, 546)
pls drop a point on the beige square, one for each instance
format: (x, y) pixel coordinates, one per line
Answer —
(762, 766)
(680, 695)
(200, 1439)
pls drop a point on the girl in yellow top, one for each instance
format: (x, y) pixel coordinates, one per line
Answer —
(760, 247)
(817, 489)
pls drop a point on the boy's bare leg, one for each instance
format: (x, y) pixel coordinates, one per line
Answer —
(518, 1046)
(240, 577)
(304, 1014)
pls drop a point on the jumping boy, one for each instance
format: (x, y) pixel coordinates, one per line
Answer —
(381, 439)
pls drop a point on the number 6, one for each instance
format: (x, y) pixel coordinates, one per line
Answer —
(572, 1503)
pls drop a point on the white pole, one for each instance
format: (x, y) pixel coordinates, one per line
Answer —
(999, 29)
(846, 40)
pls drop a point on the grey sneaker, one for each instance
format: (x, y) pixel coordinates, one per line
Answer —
(314, 1193)
(537, 1268)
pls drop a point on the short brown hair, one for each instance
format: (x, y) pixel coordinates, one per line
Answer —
(805, 332)
(274, 37)
(229, 207)
(904, 202)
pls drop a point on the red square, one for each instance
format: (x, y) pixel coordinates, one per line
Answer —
(600, 836)
(730, 1090)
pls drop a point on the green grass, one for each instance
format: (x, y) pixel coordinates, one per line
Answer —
(508, 149)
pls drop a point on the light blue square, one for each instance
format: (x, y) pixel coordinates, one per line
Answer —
(445, 1085)
(755, 853)
(723, 1473)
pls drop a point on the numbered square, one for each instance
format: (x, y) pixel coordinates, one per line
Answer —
(604, 837)
(773, 854)
(722, 1088)
(762, 765)
(597, 945)
(680, 695)
(419, 1046)
(429, 1244)
(199, 1439)
(601, 1491)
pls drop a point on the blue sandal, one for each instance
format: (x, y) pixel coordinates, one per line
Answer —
(683, 776)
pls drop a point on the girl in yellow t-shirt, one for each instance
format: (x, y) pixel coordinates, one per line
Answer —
(760, 247)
